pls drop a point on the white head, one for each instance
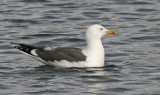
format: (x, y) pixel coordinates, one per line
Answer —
(94, 49)
(97, 31)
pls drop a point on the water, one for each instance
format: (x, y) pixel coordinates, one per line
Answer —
(132, 64)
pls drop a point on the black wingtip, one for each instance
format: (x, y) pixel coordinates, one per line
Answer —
(23, 47)
(13, 43)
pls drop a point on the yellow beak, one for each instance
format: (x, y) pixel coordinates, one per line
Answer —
(111, 32)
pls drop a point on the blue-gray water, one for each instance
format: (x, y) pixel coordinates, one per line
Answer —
(132, 61)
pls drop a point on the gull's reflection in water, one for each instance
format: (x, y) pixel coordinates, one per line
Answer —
(97, 80)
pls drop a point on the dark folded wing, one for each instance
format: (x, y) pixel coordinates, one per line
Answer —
(58, 54)
(49, 54)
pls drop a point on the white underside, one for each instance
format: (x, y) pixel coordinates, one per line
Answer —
(67, 64)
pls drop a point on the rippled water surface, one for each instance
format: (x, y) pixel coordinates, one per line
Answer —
(132, 64)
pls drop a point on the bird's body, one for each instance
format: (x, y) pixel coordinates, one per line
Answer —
(91, 56)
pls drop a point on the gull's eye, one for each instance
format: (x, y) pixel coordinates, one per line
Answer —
(101, 29)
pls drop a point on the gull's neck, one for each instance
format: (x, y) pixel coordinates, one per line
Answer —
(93, 44)
(95, 52)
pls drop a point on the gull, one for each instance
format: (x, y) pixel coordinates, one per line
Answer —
(92, 55)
